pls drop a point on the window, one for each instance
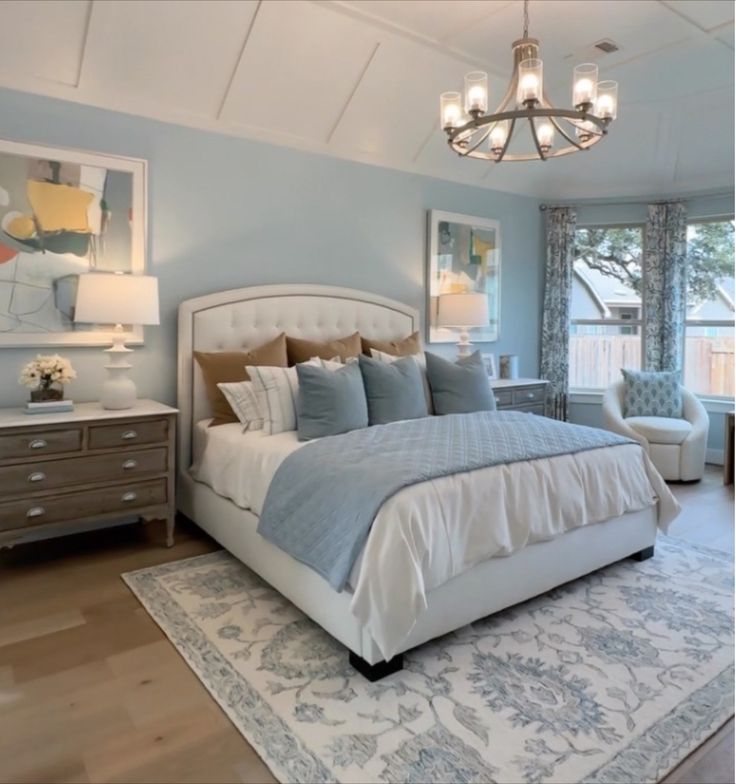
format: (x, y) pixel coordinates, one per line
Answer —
(605, 314)
(709, 329)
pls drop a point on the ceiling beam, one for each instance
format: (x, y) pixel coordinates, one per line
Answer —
(85, 37)
(239, 60)
(361, 75)
(709, 33)
(339, 6)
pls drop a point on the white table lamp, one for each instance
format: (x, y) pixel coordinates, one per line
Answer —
(463, 311)
(112, 298)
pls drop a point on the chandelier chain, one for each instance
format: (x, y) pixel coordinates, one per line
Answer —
(526, 19)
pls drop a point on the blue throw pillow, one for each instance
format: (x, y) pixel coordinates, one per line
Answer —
(647, 393)
(394, 390)
(330, 401)
(459, 387)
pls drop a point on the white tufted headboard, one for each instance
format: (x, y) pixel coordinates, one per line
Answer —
(246, 318)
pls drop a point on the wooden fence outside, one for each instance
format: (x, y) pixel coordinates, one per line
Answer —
(596, 362)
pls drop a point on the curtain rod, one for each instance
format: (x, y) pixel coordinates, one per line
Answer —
(622, 203)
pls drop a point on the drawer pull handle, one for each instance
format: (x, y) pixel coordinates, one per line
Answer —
(37, 443)
(530, 395)
(129, 464)
(497, 399)
(128, 434)
(128, 497)
(35, 511)
(36, 476)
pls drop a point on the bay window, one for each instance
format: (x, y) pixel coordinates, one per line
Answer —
(605, 312)
(709, 328)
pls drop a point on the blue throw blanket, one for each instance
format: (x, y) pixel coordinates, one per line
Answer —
(324, 497)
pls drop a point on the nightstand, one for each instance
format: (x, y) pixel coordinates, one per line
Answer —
(86, 465)
(521, 394)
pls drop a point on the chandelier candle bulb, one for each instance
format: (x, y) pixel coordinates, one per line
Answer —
(530, 81)
(546, 135)
(586, 130)
(476, 92)
(585, 86)
(450, 110)
(606, 105)
(498, 137)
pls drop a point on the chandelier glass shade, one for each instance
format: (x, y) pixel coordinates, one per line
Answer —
(474, 133)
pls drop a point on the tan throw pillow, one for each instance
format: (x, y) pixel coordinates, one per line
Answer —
(220, 367)
(397, 348)
(303, 350)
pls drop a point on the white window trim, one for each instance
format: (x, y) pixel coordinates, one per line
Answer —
(612, 322)
(594, 397)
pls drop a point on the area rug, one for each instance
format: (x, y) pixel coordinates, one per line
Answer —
(615, 677)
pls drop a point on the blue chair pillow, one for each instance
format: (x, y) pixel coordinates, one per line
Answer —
(649, 393)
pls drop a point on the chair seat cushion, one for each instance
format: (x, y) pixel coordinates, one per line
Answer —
(660, 430)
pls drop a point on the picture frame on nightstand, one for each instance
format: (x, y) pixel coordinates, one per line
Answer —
(489, 360)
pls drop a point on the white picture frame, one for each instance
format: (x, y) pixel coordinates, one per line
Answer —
(455, 264)
(65, 212)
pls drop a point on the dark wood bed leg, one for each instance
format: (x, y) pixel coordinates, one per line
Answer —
(374, 672)
(644, 555)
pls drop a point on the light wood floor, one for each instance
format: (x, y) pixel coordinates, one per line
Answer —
(90, 690)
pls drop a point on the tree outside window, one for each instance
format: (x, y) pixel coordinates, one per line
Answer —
(607, 314)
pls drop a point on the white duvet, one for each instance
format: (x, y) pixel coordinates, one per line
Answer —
(431, 532)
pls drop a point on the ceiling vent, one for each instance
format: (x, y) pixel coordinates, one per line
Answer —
(606, 45)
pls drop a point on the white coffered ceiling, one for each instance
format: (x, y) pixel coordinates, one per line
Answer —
(360, 79)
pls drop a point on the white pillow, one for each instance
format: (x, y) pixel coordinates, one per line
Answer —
(336, 363)
(241, 396)
(276, 390)
(420, 359)
(389, 359)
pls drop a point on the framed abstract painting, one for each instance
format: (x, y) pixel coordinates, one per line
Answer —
(64, 213)
(464, 256)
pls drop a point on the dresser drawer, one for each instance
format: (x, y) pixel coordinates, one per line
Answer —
(54, 474)
(152, 431)
(536, 408)
(39, 444)
(528, 395)
(504, 397)
(76, 506)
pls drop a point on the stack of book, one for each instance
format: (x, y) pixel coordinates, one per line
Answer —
(50, 407)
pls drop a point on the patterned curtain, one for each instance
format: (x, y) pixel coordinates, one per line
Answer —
(556, 316)
(665, 281)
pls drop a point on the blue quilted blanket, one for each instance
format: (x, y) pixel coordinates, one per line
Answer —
(324, 497)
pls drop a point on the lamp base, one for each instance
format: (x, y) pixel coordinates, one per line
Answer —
(464, 346)
(118, 390)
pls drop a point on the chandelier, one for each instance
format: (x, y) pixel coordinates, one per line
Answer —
(474, 134)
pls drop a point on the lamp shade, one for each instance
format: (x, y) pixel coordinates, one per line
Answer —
(107, 298)
(463, 310)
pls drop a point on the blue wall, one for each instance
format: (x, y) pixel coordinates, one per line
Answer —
(591, 213)
(227, 212)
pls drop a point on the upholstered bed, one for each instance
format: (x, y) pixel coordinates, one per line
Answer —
(248, 317)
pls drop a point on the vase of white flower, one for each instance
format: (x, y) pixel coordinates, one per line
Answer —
(46, 376)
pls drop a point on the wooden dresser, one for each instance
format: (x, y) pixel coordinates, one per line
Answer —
(521, 394)
(87, 465)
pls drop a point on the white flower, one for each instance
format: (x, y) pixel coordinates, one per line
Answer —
(46, 369)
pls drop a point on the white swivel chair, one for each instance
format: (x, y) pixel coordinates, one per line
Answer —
(675, 446)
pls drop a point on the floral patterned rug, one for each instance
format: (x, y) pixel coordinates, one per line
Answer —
(616, 677)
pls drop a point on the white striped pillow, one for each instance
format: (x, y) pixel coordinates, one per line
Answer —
(276, 390)
(241, 396)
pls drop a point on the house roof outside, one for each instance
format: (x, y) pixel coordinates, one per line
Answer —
(607, 292)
